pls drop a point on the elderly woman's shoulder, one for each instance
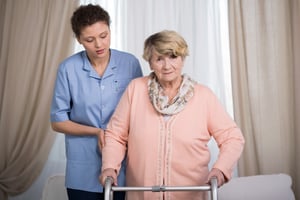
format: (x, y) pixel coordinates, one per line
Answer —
(203, 89)
(138, 85)
(139, 81)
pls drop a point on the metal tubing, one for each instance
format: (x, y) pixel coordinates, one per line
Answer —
(108, 192)
(214, 188)
(109, 189)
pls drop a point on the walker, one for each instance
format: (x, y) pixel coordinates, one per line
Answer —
(212, 187)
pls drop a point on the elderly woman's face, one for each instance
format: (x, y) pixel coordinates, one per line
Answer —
(168, 68)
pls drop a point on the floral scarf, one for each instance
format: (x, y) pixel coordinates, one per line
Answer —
(160, 102)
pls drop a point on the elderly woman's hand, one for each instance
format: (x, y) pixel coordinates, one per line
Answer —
(108, 173)
(218, 174)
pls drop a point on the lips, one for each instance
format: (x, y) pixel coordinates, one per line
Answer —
(101, 51)
(167, 73)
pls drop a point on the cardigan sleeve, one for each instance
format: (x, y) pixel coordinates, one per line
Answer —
(227, 135)
(116, 134)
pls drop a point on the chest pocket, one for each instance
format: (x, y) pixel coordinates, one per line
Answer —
(119, 85)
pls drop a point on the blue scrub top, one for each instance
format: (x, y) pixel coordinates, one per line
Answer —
(82, 96)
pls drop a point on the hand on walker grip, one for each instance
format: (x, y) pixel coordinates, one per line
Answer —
(218, 174)
(109, 173)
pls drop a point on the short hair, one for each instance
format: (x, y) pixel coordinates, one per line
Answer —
(165, 42)
(86, 15)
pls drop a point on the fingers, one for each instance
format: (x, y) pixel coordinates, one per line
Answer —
(218, 174)
(108, 173)
(221, 180)
(103, 179)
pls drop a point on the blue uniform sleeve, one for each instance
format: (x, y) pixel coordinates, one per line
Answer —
(61, 102)
(138, 69)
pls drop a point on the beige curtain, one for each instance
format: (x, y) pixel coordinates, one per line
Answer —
(35, 36)
(296, 52)
(264, 42)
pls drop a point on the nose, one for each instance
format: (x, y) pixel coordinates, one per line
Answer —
(97, 43)
(167, 63)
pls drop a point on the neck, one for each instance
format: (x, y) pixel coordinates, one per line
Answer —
(171, 89)
(100, 64)
(171, 85)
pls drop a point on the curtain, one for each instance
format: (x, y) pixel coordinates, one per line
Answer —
(264, 42)
(296, 52)
(34, 39)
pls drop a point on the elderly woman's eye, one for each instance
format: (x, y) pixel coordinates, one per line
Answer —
(173, 56)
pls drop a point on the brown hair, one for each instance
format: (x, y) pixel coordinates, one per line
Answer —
(86, 15)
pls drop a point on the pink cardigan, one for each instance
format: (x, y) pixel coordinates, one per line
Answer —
(171, 152)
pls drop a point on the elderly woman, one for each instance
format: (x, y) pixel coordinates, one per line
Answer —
(163, 123)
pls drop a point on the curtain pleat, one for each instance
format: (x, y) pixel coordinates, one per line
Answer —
(35, 37)
(295, 7)
(262, 59)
